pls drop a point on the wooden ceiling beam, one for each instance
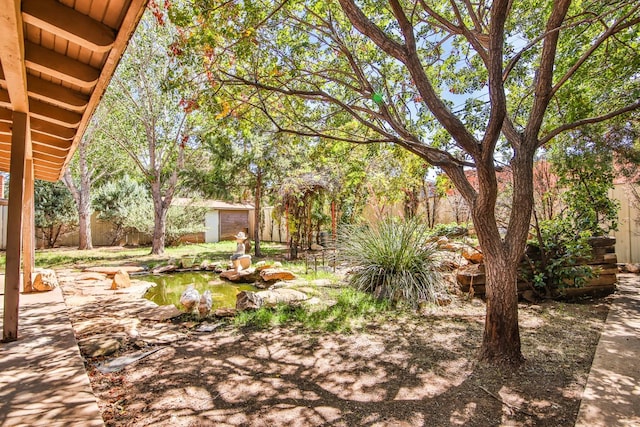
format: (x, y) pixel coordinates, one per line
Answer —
(6, 115)
(129, 23)
(59, 66)
(5, 128)
(45, 111)
(68, 23)
(45, 177)
(12, 54)
(5, 101)
(38, 147)
(40, 151)
(45, 160)
(48, 128)
(51, 113)
(50, 141)
(54, 94)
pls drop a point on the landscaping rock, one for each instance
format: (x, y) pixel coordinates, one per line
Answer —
(190, 298)
(246, 300)
(162, 334)
(242, 276)
(472, 255)
(275, 274)
(165, 269)
(208, 327)
(121, 280)
(111, 271)
(160, 313)
(101, 345)
(90, 276)
(633, 268)
(443, 300)
(204, 306)
(225, 312)
(263, 265)
(274, 297)
(45, 280)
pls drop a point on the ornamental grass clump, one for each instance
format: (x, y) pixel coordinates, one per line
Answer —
(393, 260)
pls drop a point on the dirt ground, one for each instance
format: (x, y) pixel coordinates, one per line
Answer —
(418, 370)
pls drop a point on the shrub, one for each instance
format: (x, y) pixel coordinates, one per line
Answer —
(559, 259)
(393, 260)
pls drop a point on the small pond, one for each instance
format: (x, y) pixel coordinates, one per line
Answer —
(169, 287)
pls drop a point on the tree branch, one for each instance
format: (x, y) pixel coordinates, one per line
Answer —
(545, 70)
(548, 137)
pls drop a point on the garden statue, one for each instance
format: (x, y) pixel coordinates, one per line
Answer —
(239, 260)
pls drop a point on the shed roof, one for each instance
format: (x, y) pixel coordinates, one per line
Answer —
(212, 204)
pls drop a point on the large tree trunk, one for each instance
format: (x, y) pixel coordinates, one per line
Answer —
(84, 229)
(159, 229)
(257, 214)
(82, 196)
(160, 208)
(501, 338)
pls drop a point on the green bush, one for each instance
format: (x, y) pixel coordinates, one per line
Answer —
(558, 257)
(393, 260)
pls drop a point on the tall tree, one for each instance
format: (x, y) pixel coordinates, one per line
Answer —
(527, 71)
(148, 118)
(55, 211)
(94, 160)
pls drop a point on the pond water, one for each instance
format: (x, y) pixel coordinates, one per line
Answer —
(169, 287)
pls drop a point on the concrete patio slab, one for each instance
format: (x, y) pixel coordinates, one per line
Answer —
(43, 381)
(612, 394)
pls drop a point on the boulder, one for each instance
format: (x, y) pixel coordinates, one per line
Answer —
(121, 280)
(633, 268)
(472, 255)
(165, 269)
(101, 345)
(275, 274)
(190, 298)
(274, 297)
(242, 276)
(45, 280)
(247, 300)
(205, 304)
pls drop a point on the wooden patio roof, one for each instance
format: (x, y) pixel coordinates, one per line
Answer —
(56, 59)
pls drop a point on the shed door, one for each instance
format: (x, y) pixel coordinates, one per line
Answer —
(231, 222)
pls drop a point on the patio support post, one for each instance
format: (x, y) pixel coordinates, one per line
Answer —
(28, 229)
(14, 227)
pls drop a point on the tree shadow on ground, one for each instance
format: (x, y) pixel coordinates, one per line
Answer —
(412, 372)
